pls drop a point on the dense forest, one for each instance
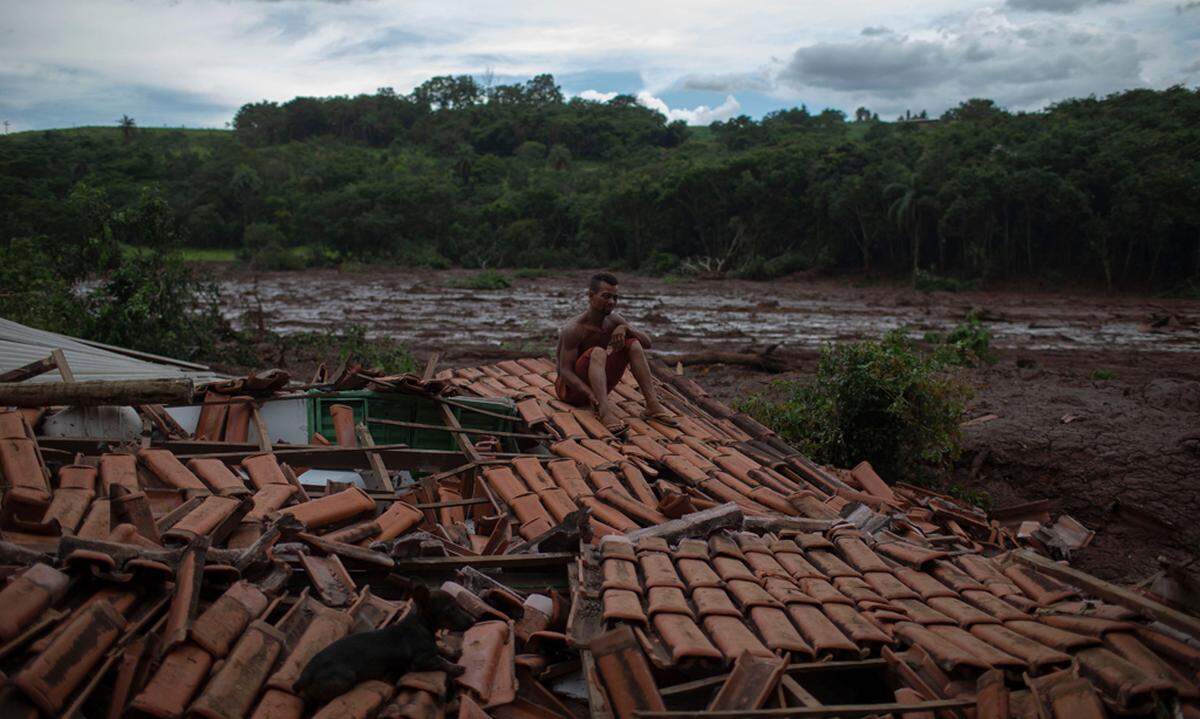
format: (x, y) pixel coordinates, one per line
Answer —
(456, 173)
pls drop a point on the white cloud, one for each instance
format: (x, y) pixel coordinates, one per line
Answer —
(699, 115)
(596, 96)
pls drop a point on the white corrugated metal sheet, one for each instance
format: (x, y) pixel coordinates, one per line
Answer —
(21, 345)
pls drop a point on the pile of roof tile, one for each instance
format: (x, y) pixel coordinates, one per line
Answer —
(711, 567)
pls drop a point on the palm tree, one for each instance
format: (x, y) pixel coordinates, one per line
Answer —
(128, 127)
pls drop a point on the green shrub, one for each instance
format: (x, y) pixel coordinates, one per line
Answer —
(155, 302)
(661, 263)
(34, 292)
(929, 282)
(277, 258)
(350, 345)
(967, 344)
(879, 400)
(530, 273)
(485, 280)
(758, 268)
(1101, 375)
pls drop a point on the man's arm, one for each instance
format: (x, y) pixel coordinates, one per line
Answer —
(568, 353)
(641, 337)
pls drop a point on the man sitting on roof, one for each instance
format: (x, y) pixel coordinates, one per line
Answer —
(593, 351)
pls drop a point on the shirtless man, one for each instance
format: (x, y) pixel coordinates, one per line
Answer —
(593, 351)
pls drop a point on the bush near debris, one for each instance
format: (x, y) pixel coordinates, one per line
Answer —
(879, 400)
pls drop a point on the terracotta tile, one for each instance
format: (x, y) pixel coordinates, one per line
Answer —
(888, 587)
(798, 566)
(684, 469)
(76, 489)
(1121, 681)
(217, 475)
(1037, 586)
(636, 481)
(397, 519)
(713, 600)
(565, 474)
(993, 605)
(237, 419)
(992, 696)
(777, 630)
(179, 676)
(684, 638)
(13, 426)
(819, 631)
(1059, 639)
(618, 548)
(626, 673)
(980, 649)
(269, 499)
(26, 597)
(1037, 656)
(946, 653)
(567, 425)
(337, 507)
(204, 519)
(728, 568)
(765, 565)
(1168, 646)
(620, 574)
(571, 449)
(1127, 646)
(859, 555)
(52, 677)
(1071, 697)
(859, 591)
(330, 578)
(656, 451)
(854, 626)
(608, 515)
(822, 591)
(750, 594)
(962, 613)
(488, 658)
(169, 470)
(343, 425)
(118, 469)
(623, 604)
(219, 626)
(668, 599)
(924, 584)
(23, 473)
(659, 571)
(264, 470)
(750, 684)
(910, 554)
(732, 637)
(786, 591)
(277, 704)
(871, 483)
(232, 690)
(698, 573)
(361, 702)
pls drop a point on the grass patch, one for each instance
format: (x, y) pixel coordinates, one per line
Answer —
(208, 254)
(1102, 375)
(485, 280)
(929, 282)
(530, 273)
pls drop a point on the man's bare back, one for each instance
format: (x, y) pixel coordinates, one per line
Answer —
(595, 348)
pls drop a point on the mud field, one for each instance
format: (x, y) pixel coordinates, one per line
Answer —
(1122, 455)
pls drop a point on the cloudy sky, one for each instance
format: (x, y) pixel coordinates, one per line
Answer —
(194, 62)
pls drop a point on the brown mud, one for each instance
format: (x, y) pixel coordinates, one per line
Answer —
(1096, 397)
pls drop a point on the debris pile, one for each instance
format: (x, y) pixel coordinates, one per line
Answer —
(693, 565)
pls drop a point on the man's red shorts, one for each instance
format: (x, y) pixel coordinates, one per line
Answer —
(614, 368)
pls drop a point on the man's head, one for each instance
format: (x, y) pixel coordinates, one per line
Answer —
(602, 293)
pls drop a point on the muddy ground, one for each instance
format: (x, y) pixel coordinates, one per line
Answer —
(1096, 397)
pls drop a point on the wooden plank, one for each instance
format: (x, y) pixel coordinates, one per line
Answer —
(1111, 592)
(379, 472)
(750, 683)
(431, 367)
(799, 693)
(64, 367)
(696, 524)
(829, 710)
(96, 393)
(503, 561)
(260, 426)
(24, 372)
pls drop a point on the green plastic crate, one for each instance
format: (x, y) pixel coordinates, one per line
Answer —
(409, 408)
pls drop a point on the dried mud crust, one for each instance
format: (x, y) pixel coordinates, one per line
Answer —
(1121, 455)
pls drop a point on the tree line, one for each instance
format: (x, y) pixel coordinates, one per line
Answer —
(458, 172)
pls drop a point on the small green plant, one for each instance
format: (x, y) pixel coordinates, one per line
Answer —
(674, 279)
(1102, 375)
(350, 345)
(661, 263)
(929, 282)
(967, 344)
(971, 495)
(530, 273)
(485, 280)
(879, 400)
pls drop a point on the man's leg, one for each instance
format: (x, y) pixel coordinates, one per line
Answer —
(598, 380)
(641, 372)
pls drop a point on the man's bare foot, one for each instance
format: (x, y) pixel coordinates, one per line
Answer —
(611, 421)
